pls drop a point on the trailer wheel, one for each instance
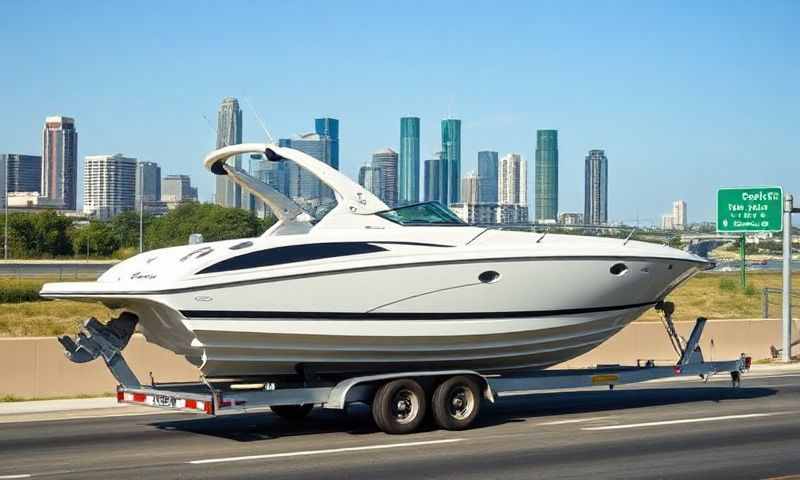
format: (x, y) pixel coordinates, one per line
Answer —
(292, 413)
(399, 406)
(456, 403)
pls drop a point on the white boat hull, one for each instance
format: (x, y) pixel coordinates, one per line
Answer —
(525, 343)
(262, 329)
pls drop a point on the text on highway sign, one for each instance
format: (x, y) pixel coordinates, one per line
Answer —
(750, 209)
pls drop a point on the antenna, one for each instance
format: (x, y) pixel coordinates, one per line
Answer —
(450, 107)
(260, 121)
(210, 125)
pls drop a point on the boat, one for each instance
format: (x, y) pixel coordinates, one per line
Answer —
(362, 288)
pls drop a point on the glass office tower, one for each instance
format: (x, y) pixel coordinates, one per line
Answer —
(488, 168)
(451, 154)
(408, 164)
(546, 176)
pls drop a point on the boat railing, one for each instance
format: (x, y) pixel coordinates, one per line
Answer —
(624, 232)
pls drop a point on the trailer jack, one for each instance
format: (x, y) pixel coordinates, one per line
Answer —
(98, 340)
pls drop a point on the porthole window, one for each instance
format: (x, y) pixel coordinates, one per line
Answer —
(489, 276)
(618, 269)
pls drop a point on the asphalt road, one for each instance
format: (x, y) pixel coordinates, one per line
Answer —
(668, 430)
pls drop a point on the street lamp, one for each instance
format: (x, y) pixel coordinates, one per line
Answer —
(141, 207)
(5, 187)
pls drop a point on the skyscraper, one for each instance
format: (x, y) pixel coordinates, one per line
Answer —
(408, 164)
(301, 185)
(595, 203)
(386, 160)
(470, 189)
(451, 154)
(433, 180)
(148, 183)
(372, 179)
(667, 222)
(329, 127)
(60, 161)
(679, 215)
(271, 173)
(546, 173)
(488, 169)
(24, 172)
(109, 183)
(177, 188)
(513, 180)
(229, 132)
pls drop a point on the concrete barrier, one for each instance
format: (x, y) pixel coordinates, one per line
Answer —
(36, 368)
(721, 340)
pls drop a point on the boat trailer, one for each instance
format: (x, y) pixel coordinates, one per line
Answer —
(395, 396)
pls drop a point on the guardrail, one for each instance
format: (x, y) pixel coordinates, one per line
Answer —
(60, 271)
(765, 293)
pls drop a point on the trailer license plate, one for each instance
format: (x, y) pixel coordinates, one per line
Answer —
(164, 401)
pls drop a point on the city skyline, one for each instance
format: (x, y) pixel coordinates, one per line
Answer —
(669, 74)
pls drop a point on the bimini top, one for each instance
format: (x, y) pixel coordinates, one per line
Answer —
(355, 205)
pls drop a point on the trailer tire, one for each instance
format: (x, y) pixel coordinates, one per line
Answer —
(456, 403)
(399, 406)
(293, 413)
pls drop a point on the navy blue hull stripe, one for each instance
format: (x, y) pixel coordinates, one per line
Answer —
(199, 314)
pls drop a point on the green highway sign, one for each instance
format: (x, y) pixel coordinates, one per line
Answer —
(749, 209)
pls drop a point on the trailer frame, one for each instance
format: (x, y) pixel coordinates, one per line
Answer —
(227, 397)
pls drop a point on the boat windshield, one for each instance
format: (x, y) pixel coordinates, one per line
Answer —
(428, 213)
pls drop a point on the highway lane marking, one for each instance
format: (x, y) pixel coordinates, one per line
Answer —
(576, 420)
(686, 420)
(321, 452)
(24, 475)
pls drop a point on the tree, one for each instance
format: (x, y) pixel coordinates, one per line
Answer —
(125, 228)
(97, 238)
(39, 235)
(212, 221)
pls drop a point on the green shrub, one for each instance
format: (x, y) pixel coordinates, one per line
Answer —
(18, 291)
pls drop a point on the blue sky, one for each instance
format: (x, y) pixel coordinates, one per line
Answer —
(684, 96)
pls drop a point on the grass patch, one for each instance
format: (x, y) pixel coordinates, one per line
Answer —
(727, 284)
(720, 296)
(17, 290)
(14, 398)
(50, 318)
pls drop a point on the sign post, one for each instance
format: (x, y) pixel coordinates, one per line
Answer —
(743, 257)
(787, 279)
